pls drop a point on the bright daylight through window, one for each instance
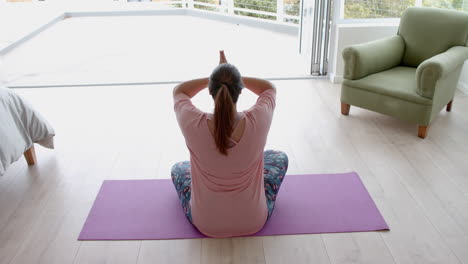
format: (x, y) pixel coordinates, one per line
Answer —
(359, 9)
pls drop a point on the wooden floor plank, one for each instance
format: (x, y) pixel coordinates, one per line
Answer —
(124, 252)
(33, 195)
(300, 249)
(184, 251)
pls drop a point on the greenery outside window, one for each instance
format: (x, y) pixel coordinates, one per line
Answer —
(364, 9)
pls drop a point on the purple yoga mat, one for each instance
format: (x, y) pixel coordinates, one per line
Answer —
(306, 204)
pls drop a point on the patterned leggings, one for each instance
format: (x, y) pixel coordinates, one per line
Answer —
(276, 165)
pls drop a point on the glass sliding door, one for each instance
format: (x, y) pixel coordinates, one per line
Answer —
(315, 34)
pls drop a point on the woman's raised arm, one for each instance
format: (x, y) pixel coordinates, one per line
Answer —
(191, 88)
(257, 85)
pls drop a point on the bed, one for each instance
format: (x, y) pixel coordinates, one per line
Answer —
(20, 127)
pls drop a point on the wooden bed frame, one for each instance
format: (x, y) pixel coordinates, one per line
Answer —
(30, 155)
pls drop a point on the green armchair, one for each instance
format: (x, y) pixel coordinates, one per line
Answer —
(410, 76)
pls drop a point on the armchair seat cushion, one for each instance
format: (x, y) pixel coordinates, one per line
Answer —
(398, 82)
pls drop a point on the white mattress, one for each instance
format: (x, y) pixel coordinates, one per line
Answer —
(20, 127)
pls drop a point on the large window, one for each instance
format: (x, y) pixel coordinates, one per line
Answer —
(279, 10)
(355, 9)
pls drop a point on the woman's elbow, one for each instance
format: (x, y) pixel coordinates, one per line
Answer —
(176, 90)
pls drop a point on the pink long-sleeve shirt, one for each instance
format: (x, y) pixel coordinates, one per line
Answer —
(228, 196)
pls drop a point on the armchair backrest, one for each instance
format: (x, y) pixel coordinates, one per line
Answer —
(431, 31)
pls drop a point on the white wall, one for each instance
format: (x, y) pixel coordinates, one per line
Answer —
(350, 34)
(463, 84)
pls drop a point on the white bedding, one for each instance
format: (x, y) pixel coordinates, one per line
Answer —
(20, 127)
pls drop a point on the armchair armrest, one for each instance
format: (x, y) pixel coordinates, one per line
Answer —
(437, 67)
(364, 59)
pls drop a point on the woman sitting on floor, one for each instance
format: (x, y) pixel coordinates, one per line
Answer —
(230, 185)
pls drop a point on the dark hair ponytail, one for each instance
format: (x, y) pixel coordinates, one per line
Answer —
(223, 119)
(225, 86)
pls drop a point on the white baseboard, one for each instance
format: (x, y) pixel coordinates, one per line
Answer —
(335, 79)
(463, 87)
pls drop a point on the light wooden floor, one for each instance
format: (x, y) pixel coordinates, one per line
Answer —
(420, 186)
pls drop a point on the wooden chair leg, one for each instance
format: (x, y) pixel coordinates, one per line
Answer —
(30, 156)
(422, 131)
(345, 108)
(449, 106)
